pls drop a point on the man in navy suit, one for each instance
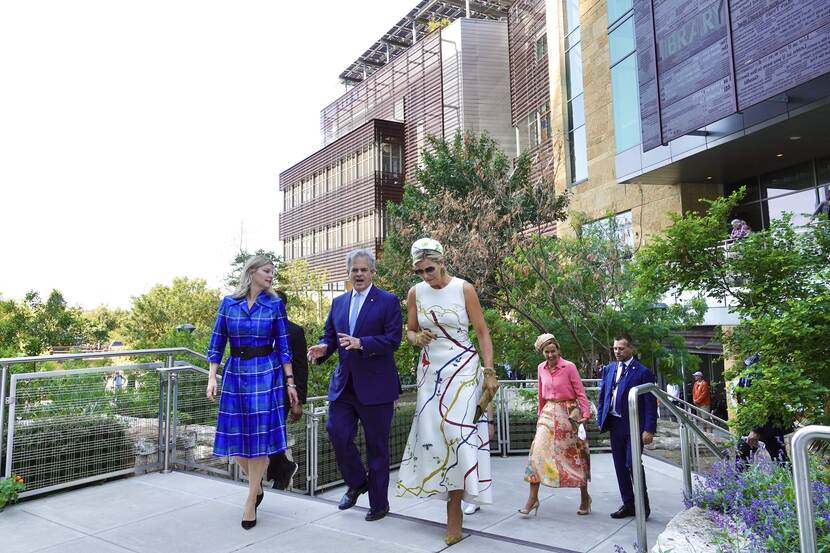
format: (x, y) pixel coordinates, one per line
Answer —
(612, 415)
(364, 326)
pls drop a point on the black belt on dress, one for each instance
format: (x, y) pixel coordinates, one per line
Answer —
(249, 352)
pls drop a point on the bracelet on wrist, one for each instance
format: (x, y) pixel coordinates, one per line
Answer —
(291, 385)
(291, 376)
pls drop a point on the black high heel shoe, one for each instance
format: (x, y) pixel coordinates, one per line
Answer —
(248, 524)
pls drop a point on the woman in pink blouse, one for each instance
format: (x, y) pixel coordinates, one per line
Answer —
(558, 458)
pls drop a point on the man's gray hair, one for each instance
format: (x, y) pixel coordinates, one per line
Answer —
(360, 252)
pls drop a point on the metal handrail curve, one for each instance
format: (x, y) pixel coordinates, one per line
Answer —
(686, 422)
(801, 482)
(96, 355)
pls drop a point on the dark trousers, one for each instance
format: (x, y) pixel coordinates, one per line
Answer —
(621, 453)
(344, 414)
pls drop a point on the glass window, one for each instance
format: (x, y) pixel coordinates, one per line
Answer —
(576, 112)
(532, 131)
(573, 68)
(782, 182)
(617, 8)
(621, 41)
(540, 49)
(571, 15)
(799, 204)
(579, 155)
(753, 190)
(823, 171)
(544, 122)
(626, 103)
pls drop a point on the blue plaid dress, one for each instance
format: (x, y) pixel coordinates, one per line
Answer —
(251, 419)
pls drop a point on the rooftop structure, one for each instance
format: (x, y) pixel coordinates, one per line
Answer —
(414, 25)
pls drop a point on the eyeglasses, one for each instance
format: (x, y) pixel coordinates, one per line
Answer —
(428, 270)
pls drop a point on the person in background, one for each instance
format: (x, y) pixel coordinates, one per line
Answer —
(281, 469)
(740, 229)
(558, 457)
(823, 208)
(701, 396)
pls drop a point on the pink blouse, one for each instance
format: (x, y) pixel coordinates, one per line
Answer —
(562, 384)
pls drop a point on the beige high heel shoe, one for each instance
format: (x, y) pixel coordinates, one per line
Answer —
(586, 511)
(452, 540)
(533, 509)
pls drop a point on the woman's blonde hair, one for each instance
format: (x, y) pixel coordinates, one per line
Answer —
(252, 265)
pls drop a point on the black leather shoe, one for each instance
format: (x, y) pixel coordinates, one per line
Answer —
(625, 511)
(377, 514)
(259, 498)
(350, 497)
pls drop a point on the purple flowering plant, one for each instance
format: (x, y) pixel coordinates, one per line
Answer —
(754, 505)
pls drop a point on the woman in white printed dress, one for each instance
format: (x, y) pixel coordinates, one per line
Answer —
(448, 452)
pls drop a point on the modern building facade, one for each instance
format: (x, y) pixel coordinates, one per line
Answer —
(689, 100)
(410, 84)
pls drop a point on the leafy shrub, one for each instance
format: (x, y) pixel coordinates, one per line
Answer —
(49, 451)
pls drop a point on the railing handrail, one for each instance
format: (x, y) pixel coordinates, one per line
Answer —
(96, 355)
(641, 546)
(801, 482)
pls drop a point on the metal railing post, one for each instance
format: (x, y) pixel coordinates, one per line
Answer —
(801, 483)
(174, 417)
(4, 373)
(641, 545)
(167, 424)
(314, 452)
(162, 376)
(501, 425)
(685, 461)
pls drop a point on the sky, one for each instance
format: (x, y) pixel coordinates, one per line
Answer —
(140, 141)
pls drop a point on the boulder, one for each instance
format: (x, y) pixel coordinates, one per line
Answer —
(690, 531)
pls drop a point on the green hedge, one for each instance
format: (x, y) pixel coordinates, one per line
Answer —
(51, 451)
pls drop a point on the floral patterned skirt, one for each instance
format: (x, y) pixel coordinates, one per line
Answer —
(558, 458)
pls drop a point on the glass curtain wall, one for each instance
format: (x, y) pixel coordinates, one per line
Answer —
(577, 139)
(796, 190)
(624, 86)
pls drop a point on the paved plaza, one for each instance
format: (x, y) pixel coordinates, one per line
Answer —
(186, 512)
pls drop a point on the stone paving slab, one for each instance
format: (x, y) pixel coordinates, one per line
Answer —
(185, 512)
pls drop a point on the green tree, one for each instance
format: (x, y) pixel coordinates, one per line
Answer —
(495, 220)
(232, 278)
(778, 279)
(155, 315)
(304, 288)
(102, 322)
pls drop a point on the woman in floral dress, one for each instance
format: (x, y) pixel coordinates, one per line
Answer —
(558, 457)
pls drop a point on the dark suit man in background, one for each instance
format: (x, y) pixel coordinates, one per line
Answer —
(618, 378)
(364, 327)
(281, 469)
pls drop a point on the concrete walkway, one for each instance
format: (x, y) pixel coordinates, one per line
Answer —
(185, 512)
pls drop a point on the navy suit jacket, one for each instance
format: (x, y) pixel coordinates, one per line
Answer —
(636, 374)
(372, 368)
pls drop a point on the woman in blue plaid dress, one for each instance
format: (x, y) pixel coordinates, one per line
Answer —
(251, 423)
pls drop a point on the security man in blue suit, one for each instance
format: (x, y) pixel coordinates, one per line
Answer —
(618, 378)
